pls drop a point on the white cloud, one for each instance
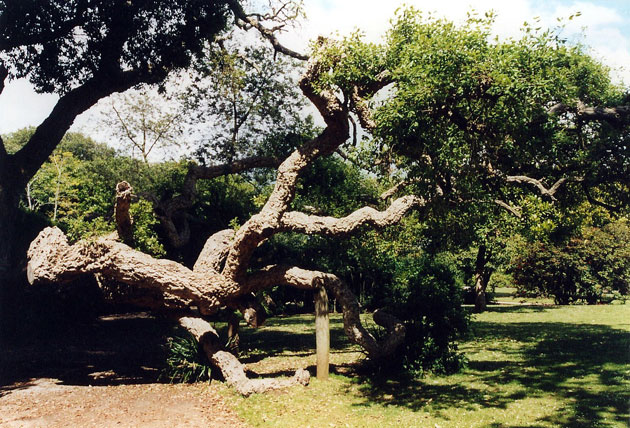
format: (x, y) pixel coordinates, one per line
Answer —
(373, 17)
(598, 27)
(595, 25)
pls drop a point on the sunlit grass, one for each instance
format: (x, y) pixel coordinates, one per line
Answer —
(528, 366)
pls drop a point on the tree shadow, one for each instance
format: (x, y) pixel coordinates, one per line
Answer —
(522, 308)
(554, 359)
(109, 350)
(264, 342)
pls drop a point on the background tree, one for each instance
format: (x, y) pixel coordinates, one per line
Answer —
(242, 94)
(144, 123)
(85, 51)
(245, 110)
(475, 122)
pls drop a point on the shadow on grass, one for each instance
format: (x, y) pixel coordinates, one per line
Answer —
(554, 358)
(522, 308)
(266, 342)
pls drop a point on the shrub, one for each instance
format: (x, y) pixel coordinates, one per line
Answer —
(428, 298)
(144, 234)
(593, 267)
(185, 363)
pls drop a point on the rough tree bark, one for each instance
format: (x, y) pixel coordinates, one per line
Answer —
(124, 222)
(233, 371)
(220, 277)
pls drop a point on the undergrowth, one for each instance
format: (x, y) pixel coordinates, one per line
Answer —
(185, 362)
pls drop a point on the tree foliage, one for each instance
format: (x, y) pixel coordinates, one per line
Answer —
(60, 44)
(592, 267)
(242, 98)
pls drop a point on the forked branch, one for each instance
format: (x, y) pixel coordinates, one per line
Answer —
(246, 21)
(549, 192)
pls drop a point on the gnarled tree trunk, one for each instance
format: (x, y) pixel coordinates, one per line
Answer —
(220, 277)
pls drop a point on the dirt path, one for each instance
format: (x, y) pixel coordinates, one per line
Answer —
(102, 373)
(46, 403)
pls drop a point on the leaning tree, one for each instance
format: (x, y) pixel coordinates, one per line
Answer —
(452, 155)
(220, 276)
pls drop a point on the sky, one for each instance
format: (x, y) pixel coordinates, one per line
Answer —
(604, 25)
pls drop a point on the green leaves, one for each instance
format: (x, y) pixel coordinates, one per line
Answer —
(185, 363)
(144, 224)
(59, 44)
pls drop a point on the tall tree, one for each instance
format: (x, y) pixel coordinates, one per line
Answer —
(479, 122)
(85, 50)
(242, 94)
(144, 123)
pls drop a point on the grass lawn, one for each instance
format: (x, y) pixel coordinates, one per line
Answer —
(544, 366)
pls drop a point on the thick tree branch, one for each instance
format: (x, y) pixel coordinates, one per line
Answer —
(214, 252)
(538, 184)
(52, 259)
(267, 222)
(358, 98)
(309, 224)
(124, 222)
(615, 115)
(362, 110)
(231, 369)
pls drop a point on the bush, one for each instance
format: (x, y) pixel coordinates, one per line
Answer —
(593, 267)
(428, 298)
(144, 234)
(185, 363)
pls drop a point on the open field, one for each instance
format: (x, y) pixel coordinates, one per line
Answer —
(528, 366)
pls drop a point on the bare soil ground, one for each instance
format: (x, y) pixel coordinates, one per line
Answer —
(46, 403)
(102, 374)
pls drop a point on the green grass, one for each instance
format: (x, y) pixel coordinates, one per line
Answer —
(528, 366)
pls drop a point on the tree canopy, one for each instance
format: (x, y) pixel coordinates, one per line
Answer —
(472, 130)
